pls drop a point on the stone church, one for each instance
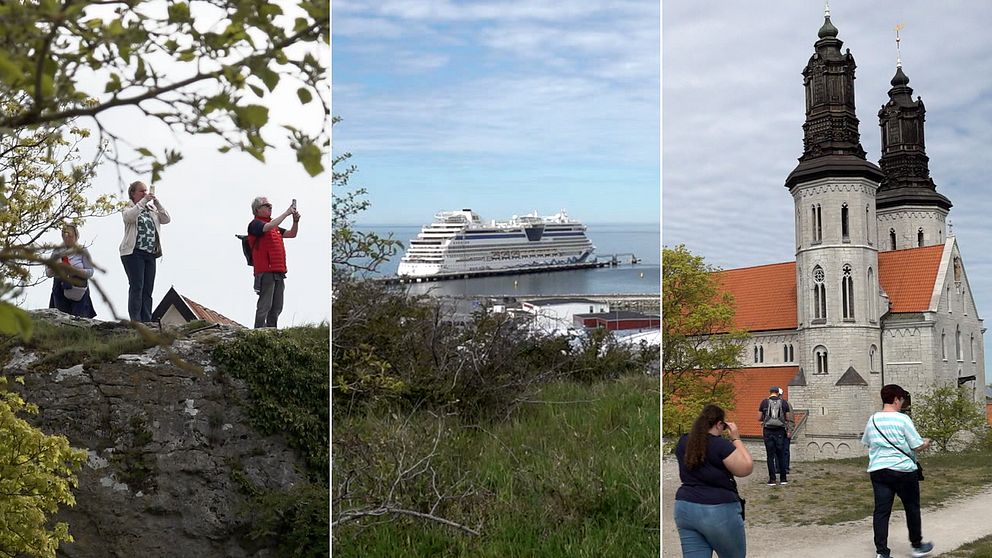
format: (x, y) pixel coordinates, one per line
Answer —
(878, 292)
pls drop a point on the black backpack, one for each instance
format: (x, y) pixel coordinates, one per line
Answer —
(246, 248)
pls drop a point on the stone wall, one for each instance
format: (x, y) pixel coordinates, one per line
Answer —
(166, 440)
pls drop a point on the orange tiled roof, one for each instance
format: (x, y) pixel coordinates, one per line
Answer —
(750, 387)
(908, 277)
(765, 296)
(204, 313)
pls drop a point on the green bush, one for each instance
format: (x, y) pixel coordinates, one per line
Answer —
(945, 412)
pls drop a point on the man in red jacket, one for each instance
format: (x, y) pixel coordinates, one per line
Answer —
(269, 258)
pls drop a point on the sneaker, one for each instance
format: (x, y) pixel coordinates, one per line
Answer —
(923, 549)
(880, 555)
(771, 482)
(783, 483)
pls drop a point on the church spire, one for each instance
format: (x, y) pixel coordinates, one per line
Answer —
(831, 139)
(904, 159)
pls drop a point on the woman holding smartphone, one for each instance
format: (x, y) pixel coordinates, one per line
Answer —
(709, 512)
(142, 245)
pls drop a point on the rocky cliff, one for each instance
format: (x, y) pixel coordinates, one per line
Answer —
(170, 445)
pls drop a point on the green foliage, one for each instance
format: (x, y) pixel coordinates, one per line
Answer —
(390, 350)
(353, 251)
(296, 519)
(197, 72)
(37, 474)
(286, 374)
(700, 345)
(947, 411)
(575, 473)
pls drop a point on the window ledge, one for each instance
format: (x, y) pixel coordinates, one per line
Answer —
(819, 321)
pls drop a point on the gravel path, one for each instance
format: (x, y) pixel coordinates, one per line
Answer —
(948, 527)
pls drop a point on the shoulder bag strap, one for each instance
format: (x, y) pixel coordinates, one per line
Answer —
(890, 442)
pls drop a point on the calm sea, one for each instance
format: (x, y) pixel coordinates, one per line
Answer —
(642, 240)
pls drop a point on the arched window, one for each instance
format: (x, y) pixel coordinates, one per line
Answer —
(847, 293)
(868, 225)
(950, 301)
(756, 354)
(819, 296)
(943, 345)
(871, 359)
(972, 342)
(820, 355)
(817, 224)
(785, 353)
(919, 237)
(872, 296)
(792, 353)
(845, 229)
(957, 343)
(892, 238)
(761, 353)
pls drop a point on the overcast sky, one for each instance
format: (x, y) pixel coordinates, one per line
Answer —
(734, 107)
(503, 106)
(208, 196)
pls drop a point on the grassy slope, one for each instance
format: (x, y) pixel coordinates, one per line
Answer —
(565, 479)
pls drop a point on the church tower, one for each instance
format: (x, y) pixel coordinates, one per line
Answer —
(910, 211)
(834, 188)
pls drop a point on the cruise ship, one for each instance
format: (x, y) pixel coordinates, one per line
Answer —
(461, 242)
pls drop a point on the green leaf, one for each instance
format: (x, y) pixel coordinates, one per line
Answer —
(144, 151)
(14, 321)
(254, 116)
(9, 72)
(258, 91)
(311, 157)
(304, 94)
(178, 12)
(268, 77)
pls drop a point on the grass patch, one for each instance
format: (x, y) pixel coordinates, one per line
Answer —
(831, 492)
(573, 475)
(62, 345)
(982, 548)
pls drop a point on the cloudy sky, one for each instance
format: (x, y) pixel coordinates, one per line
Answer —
(208, 196)
(503, 106)
(734, 109)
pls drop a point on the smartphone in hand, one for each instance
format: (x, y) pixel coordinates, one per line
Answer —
(293, 206)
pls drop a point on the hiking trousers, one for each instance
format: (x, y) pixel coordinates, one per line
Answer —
(775, 442)
(887, 484)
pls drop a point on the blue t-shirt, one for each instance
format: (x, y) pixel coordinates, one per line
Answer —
(710, 483)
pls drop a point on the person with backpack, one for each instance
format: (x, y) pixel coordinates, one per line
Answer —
(775, 414)
(268, 256)
(892, 441)
(788, 436)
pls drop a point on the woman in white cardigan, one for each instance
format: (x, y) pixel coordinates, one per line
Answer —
(142, 244)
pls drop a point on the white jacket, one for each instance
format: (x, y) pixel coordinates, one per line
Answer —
(159, 215)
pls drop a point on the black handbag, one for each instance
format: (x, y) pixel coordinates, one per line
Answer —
(919, 466)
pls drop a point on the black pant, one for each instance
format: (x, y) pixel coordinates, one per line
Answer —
(887, 484)
(271, 289)
(775, 449)
(140, 268)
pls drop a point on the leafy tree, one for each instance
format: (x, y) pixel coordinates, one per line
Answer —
(196, 67)
(700, 346)
(946, 411)
(353, 251)
(37, 473)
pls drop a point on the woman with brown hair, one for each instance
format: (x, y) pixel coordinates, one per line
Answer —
(70, 288)
(709, 512)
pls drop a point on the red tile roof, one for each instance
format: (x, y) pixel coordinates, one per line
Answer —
(908, 277)
(212, 316)
(750, 387)
(765, 296)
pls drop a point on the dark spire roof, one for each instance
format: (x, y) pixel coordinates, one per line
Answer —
(904, 161)
(832, 141)
(828, 29)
